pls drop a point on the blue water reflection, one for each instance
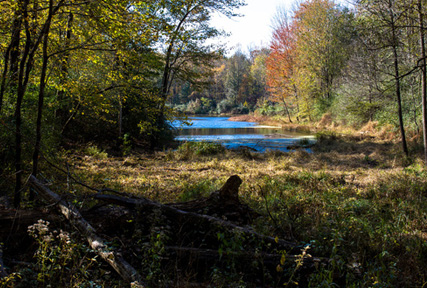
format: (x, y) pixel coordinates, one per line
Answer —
(235, 134)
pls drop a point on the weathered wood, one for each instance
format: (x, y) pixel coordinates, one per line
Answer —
(229, 193)
(174, 213)
(126, 271)
(223, 204)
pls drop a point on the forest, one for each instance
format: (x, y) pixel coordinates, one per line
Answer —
(95, 191)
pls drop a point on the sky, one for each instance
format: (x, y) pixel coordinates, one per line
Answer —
(253, 29)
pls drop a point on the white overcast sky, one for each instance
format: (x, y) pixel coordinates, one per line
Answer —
(253, 29)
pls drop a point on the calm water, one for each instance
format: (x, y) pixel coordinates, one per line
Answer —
(234, 134)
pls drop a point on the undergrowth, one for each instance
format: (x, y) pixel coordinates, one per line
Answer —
(191, 149)
(368, 220)
(60, 260)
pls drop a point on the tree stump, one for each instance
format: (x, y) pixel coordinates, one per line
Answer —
(223, 203)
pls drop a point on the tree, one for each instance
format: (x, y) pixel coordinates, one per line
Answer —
(384, 17)
(184, 29)
(421, 29)
(258, 75)
(238, 69)
(35, 33)
(40, 37)
(323, 33)
(281, 63)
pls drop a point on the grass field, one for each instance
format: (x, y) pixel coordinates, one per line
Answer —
(357, 200)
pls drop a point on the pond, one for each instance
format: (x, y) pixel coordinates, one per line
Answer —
(236, 134)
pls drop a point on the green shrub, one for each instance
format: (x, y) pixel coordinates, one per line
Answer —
(201, 148)
(195, 190)
(59, 262)
(95, 152)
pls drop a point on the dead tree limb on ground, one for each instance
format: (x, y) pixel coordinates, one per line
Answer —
(126, 271)
(227, 196)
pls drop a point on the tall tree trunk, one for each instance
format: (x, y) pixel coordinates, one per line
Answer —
(296, 100)
(11, 56)
(24, 70)
(14, 51)
(423, 78)
(120, 120)
(61, 113)
(168, 75)
(399, 102)
(287, 111)
(25, 67)
(42, 86)
(4, 74)
(397, 79)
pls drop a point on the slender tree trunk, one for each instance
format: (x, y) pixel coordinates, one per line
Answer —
(14, 51)
(287, 111)
(11, 57)
(61, 113)
(423, 78)
(399, 103)
(397, 81)
(42, 86)
(24, 68)
(120, 115)
(167, 76)
(4, 74)
(296, 100)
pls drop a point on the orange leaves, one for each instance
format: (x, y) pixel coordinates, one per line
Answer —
(308, 53)
(281, 62)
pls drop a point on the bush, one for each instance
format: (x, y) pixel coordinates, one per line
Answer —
(95, 152)
(225, 106)
(241, 109)
(200, 148)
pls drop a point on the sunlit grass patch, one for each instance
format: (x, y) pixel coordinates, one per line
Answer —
(364, 217)
(188, 150)
(95, 152)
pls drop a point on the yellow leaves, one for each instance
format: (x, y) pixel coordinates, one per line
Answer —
(283, 259)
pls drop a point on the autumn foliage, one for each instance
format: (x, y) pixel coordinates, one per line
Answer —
(308, 52)
(281, 63)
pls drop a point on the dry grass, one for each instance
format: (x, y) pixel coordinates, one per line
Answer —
(358, 198)
(164, 175)
(325, 121)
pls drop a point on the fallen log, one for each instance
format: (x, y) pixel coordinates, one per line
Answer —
(126, 271)
(175, 213)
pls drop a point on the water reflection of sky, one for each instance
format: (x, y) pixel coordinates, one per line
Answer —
(213, 123)
(235, 134)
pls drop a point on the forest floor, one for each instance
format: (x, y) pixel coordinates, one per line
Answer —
(356, 200)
